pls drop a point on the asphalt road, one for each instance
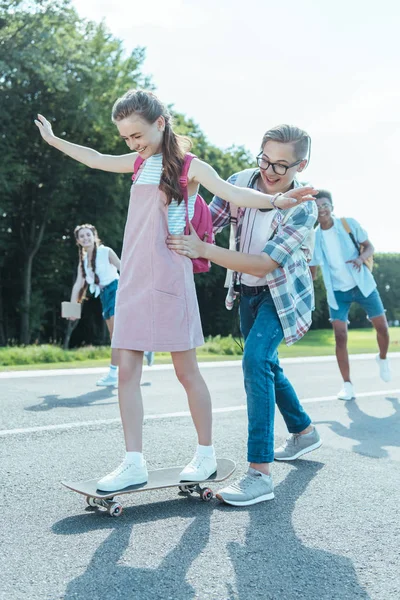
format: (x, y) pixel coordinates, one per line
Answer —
(332, 531)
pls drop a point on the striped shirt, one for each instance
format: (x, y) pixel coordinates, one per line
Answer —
(290, 284)
(151, 174)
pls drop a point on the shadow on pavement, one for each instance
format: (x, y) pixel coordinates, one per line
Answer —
(107, 577)
(51, 401)
(371, 433)
(272, 563)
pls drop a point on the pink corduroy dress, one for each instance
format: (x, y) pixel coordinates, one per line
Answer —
(156, 307)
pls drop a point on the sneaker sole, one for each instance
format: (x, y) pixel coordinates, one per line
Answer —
(107, 384)
(197, 480)
(270, 496)
(347, 399)
(121, 489)
(301, 452)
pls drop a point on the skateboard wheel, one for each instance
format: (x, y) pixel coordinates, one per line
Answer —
(207, 494)
(91, 501)
(115, 509)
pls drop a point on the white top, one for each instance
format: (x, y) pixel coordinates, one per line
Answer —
(151, 174)
(105, 271)
(256, 231)
(341, 278)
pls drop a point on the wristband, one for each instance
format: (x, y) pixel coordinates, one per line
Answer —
(274, 199)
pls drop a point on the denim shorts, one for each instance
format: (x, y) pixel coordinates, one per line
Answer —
(107, 297)
(372, 304)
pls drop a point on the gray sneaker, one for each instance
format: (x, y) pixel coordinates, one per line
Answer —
(252, 488)
(297, 445)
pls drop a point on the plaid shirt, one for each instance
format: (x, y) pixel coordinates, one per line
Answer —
(290, 284)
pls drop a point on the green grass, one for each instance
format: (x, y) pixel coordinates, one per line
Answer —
(315, 343)
(321, 342)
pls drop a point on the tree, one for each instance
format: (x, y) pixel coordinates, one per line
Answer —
(72, 70)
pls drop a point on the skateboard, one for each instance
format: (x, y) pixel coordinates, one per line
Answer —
(158, 479)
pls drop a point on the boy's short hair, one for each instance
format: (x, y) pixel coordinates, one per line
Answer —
(324, 194)
(290, 134)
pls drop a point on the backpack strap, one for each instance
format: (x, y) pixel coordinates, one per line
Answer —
(183, 182)
(244, 177)
(183, 179)
(345, 225)
(351, 234)
(136, 167)
(242, 180)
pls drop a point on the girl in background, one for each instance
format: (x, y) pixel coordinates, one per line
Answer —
(98, 271)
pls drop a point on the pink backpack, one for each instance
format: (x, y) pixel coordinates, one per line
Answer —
(202, 221)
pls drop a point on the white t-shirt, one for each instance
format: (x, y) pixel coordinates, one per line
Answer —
(342, 279)
(256, 231)
(105, 271)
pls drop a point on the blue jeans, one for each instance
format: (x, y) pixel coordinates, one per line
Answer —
(264, 380)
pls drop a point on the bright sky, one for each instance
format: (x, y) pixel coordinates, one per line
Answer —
(239, 68)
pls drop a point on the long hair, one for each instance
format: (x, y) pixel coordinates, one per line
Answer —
(82, 254)
(146, 105)
(289, 133)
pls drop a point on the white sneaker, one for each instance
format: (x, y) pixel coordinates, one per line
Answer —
(108, 380)
(384, 368)
(347, 392)
(200, 468)
(125, 475)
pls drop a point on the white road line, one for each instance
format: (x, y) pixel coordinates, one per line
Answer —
(359, 395)
(175, 415)
(169, 367)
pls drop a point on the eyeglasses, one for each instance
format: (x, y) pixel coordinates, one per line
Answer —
(324, 205)
(277, 168)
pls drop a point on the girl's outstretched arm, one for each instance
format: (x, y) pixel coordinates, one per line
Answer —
(114, 260)
(89, 157)
(204, 174)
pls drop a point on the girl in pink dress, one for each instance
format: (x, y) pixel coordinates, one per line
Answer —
(156, 301)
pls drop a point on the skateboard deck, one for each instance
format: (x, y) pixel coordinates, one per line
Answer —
(158, 479)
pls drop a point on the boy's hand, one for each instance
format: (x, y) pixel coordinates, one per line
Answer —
(187, 245)
(356, 262)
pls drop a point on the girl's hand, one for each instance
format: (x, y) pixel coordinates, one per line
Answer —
(187, 245)
(45, 128)
(296, 196)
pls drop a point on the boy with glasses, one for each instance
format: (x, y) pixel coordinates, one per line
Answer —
(272, 276)
(343, 251)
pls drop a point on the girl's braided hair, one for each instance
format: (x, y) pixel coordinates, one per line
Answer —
(97, 242)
